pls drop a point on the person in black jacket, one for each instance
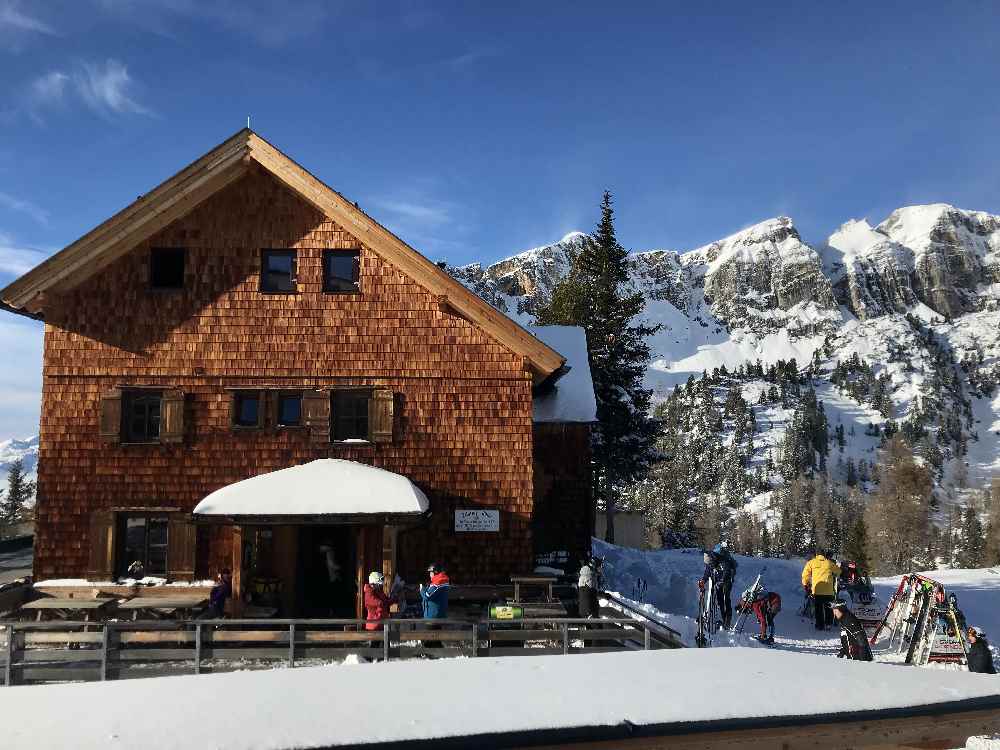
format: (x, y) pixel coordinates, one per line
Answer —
(853, 639)
(980, 658)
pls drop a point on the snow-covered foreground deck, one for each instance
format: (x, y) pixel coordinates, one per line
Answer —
(507, 703)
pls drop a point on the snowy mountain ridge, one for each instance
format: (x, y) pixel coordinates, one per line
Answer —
(916, 297)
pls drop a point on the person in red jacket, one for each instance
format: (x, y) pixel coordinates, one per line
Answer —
(765, 606)
(377, 602)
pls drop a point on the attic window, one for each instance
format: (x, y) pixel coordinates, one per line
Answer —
(277, 271)
(166, 268)
(341, 270)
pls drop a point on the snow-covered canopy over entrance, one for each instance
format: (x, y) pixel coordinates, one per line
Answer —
(328, 486)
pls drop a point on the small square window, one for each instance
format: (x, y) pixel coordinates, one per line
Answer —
(144, 540)
(246, 409)
(341, 270)
(277, 271)
(350, 415)
(166, 268)
(289, 409)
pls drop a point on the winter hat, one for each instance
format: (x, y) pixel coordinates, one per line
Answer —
(978, 632)
(375, 578)
(838, 604)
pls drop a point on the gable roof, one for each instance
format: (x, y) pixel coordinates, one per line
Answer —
(221, 166)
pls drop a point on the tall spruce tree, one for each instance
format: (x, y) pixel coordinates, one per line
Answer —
(18, 495)
(598, 296)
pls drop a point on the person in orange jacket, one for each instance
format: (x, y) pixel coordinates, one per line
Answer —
(819, 578)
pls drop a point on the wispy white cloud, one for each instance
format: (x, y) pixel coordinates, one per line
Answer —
(20, 376)
(15, 259)
(424, 213)
(20, 205)
(106, 88)
(269, 23)
(13, 19)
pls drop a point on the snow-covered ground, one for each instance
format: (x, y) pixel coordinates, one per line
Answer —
(418, 700)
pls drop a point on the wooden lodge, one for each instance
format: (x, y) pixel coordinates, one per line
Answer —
(243, 318)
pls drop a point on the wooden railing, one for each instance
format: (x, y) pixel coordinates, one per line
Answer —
(36, 652)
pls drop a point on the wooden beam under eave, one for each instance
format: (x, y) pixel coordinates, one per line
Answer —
(392, 249)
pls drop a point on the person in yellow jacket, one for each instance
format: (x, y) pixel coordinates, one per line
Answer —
(819, 578)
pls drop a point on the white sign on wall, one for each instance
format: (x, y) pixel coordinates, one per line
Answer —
(477, 520)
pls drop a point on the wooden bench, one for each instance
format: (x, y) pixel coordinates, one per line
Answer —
(544, 582)
(156, 607)
(64, 608)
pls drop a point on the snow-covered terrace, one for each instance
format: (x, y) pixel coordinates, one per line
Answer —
(716, 698)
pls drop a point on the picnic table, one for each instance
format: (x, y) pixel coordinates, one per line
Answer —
(162, 607)
(67, 608)
(545, 582)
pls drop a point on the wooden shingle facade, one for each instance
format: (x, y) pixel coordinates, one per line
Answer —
(156, 395)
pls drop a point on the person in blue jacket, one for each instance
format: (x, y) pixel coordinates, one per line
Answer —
(434, 598)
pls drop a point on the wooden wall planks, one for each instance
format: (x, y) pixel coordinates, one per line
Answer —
(463, 418)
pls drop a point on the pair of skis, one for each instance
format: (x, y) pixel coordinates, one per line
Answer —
(747, 600)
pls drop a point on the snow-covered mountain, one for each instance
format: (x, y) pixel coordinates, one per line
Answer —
(916, 297)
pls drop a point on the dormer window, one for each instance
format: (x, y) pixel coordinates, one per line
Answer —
(277, 271)
(166, 268)
(341, 271)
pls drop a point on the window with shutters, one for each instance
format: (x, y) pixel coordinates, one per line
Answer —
(144, 539)
(277, 271)
(349, 415)
(140, 410)
(341, 271)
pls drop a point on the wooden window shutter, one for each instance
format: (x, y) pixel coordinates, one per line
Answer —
(111, 416)
(101, 541)
(316, 415)
(380, 416)
(182, 541)
(172, 417)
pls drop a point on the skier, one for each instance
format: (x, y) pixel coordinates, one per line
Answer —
(721, 568)
(819, 579)
(435, 599)
(586, 587)
(765, 605)
(853, 639)
(377, 602)
(854, 581)
(980, 658)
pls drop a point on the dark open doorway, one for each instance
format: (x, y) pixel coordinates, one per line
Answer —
(327, 567)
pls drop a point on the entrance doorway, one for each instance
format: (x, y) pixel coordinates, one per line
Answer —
(326, 571)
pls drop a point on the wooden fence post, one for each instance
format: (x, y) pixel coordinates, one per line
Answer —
(105, 638)
(565, 638)
(8, 670)
(197, 648)
(291, 644)
(385, 641)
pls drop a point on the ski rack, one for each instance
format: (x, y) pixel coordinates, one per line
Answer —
(912, 619)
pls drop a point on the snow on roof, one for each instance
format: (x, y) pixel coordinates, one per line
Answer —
(572, 399)
(351, 705)
(328, 486)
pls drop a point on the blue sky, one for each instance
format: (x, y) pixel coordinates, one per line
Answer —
(475, 130)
